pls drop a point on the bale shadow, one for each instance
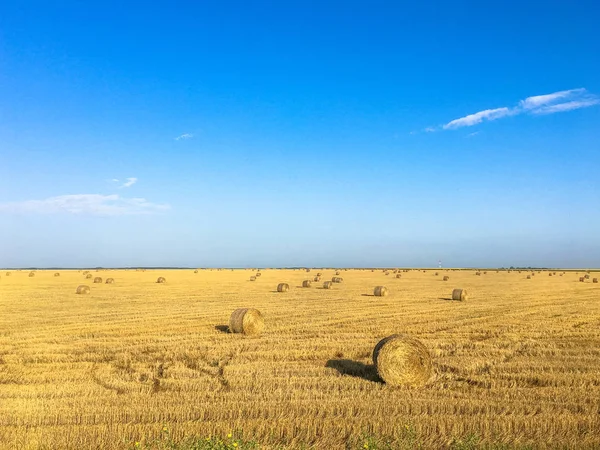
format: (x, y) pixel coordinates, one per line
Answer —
(354, 369)
(448, 299)
(367, 295)
(222, 328)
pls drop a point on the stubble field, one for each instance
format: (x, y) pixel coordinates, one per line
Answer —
(139, 364)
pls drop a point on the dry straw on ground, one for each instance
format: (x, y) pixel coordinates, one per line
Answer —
(283, 287)
(380, 291)
(161, 280)
(402, 361)
(306, 283)
(459, 294)
(247, 321)
(82, 289)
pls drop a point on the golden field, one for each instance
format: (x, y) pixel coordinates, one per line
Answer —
(136, 362)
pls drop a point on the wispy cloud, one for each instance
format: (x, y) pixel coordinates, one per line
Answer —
(473, 134)
(85, 204)
(129, 182)
(184, 136)
(538, 104)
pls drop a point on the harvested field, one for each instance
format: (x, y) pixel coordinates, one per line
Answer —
(517, 364)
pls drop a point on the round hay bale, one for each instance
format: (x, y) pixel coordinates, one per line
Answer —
(595, 280)
(581, 279)
(196, 271)
(97, 280)
(478, 273)
(110, 280)
(549, 274)
(82, 289)
(31, 274)
(435, 274)
(380, 291)
(57, 274)
(459, 294)
(307, 270)
(161, 280)
(317, 278)
(247, 321)
(283, 287)
(258, 274)
(89, 275)
(306, 283)
(398, 275)
(337, 272)
(8, 274)
(319, 274)
(485, 272)
(327, 285)
(252, 278)
(337, 279)
(529, 277)
(446, 278)
(402, 361)
(586, 276)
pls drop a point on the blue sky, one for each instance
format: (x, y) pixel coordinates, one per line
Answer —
(299, 133)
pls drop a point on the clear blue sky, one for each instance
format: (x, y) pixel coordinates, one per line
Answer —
(299, 133)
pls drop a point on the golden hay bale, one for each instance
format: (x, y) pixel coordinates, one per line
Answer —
(387, 273)
(402, 361)
(252, 278)
(196, 271)
(258, 274)
(85, 272)
(337, 279)
(31, 274)
(459, 294)
(581, 279)
(82, 289)
(586, 276)
(57, 274)
(595, 280)
(161, 280)
(97, 280)
(306, 283)
(8, 274)
(319, 274)
(89, 275)
(398, 275)
(283, 287)
(317, 278)
(477, 273)
(485, 272)
(246, 321)
(327, 285)
(435, 274)
(446, 278)
(307, 270)
(380, 291)
(110, 280)
(337, 272)
(529, 277)
(549, 274)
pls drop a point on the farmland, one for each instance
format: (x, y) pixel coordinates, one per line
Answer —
(136, 362)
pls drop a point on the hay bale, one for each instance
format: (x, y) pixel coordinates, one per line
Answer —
(247, 321)
(549, 274)
(283, 287)
(485, 272)
(89, 275)
(319, 274)
(161, 280)
(110, 280)
(435, 274)
(478, 273)
(380, 291)
(529, 277)
(327, 285)
(258, 274)
(337, 279)
(459, 294)
(581, 279)
(8, 274)
(402, 361)
(337, 272)
(82, 289)
(398, 275)
(595, 280)
(196, 271)
(317, 278)
(253, 278)
(31, 274)
(586, 276)
(446, 278)
(57, 274)
(97, 280)
(307, 270)
(306, 283)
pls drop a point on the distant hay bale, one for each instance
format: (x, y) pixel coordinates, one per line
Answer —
(82, 289)
(581, 279)
(258, 274)
(283, 287)
(306, 283)
(402, 361)
(594, 280)
(327, 285)
(459, 294)
(319, 274)
(8, 274)
(337, 272)
(85, 272)
(89, 275)
(529, 277)
(380, 291)
(387, 273)
(110, 280)
(550, 274)
(196, 271)
(446, 278)
(161, 280)
(252, 278)
(307, 270)
(97, 280)
(337, 279)
(31, 274)
(398, 275)
(57, 274)
(586, 276)
(478, 273)
(247, 321)
(435, 274)
(317, 278)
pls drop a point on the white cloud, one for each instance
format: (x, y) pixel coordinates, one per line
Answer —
(184, 136)
(85, 204)
(430, 129)
(473, 134)
(474, 119)
(539, 104)
(129, 182)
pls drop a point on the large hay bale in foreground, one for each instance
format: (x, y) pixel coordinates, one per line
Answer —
(246, 321)
(446, 278)
(110, 280)
(161, 280)
(306, 283)
(327, 285)
(380, 291)
(97, 280)
(402, 361)
(283, 287)
(82, 289)
(459, 294)
(31, 274)
(89, 275)
(337, 279)
(57, 274)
